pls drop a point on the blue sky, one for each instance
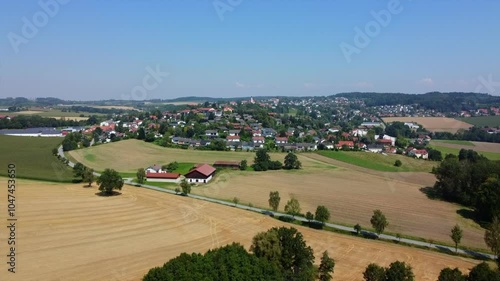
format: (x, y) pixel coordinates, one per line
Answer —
(228, 48)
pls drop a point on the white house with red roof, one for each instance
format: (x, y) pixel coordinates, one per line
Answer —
(233, 138)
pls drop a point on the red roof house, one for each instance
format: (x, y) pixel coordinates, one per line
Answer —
(201, 174)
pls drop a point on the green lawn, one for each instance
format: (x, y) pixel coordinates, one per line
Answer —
(459, 142)
(451, 150)
(380, 162)
(184, 168)
(481, 121)
(166, 185)
(56, 113)
(33, 158)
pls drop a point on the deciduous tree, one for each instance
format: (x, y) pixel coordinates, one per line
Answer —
(326, 267)
(109, 180)
(322, 214)
(141, 175)
(88, 176)
(274, 200)
(379, 221)
(492, 238)
(448, 274)
(292, 207)
(456, 235)
(374, 272)
(186, 187)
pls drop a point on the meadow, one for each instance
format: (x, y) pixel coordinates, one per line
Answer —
(380, 162)
(455, 150)
(482, 121)
(33, 158)
(122, 237)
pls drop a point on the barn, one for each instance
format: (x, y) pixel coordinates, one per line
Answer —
(201, 174)
(163, 177)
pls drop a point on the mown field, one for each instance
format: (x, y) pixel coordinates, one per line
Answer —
(457, 142)
(380, 162)
(482, 121)
(56, 113)
(433, 124)
(122, 237)
(33, 158)
(350, 192)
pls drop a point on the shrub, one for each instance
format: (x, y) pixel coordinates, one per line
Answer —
(398, 163)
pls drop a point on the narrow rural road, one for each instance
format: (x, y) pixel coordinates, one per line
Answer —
(441, 248)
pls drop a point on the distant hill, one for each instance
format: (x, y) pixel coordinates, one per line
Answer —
(444, 102)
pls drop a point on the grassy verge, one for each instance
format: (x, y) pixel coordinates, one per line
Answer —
(481, 121)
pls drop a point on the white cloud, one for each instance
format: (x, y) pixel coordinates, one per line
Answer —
(427, 81)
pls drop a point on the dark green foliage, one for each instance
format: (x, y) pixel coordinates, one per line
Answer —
(483, 272)
(399, 271)
(374, 272)
(434, 155)
(398, 163)
(292, 162)
(109, 180)
(218, 145)
(309, 216)
(322, 214)
(88, 176)
(262, 162)
(274, 200)
(71, 141)
(470, 180)
(243, 165)
(448, 274)
(229, 263)
(379, 221)
(275, 165)
(326, 267)
(399, 130)
(357, 227)
(78, 170)
(170, 167)
(287, 247)
(35, 121)
(141, 134)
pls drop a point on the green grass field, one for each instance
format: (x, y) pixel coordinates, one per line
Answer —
(451, 150)
(55, 113)
(459, 142)
(33, 158)
(482, 121)
(380, 162)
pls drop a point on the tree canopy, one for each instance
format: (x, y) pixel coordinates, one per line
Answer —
(109, 180)
(379, 221)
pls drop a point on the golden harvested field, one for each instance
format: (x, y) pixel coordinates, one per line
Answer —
(350, 192)
(433, 124)
(66, 232)
(114, 106)
(351, 198)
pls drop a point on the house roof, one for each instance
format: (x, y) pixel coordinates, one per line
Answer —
(258, 138)
(203, 169)
(233, 137)
(163, 175)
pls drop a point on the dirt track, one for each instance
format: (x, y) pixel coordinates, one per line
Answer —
(66, 232)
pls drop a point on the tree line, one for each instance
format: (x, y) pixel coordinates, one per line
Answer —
(473, 134)
(472, 180)
(35, 121)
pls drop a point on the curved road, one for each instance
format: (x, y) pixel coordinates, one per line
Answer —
(441, 248)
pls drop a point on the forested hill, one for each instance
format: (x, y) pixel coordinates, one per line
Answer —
(444, 102)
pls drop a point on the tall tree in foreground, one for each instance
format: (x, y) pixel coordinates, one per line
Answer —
(292, 161)
(483, 272)
(326, 267)
(322, 214)
(288, 248)
(292, 207)
(492, 238)
(456, 235)
(379, 221)
(88, 176)
(109, 180)
(141, 175)
(399, 271)
(374, 272)
(448, 274)
(274, 200)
